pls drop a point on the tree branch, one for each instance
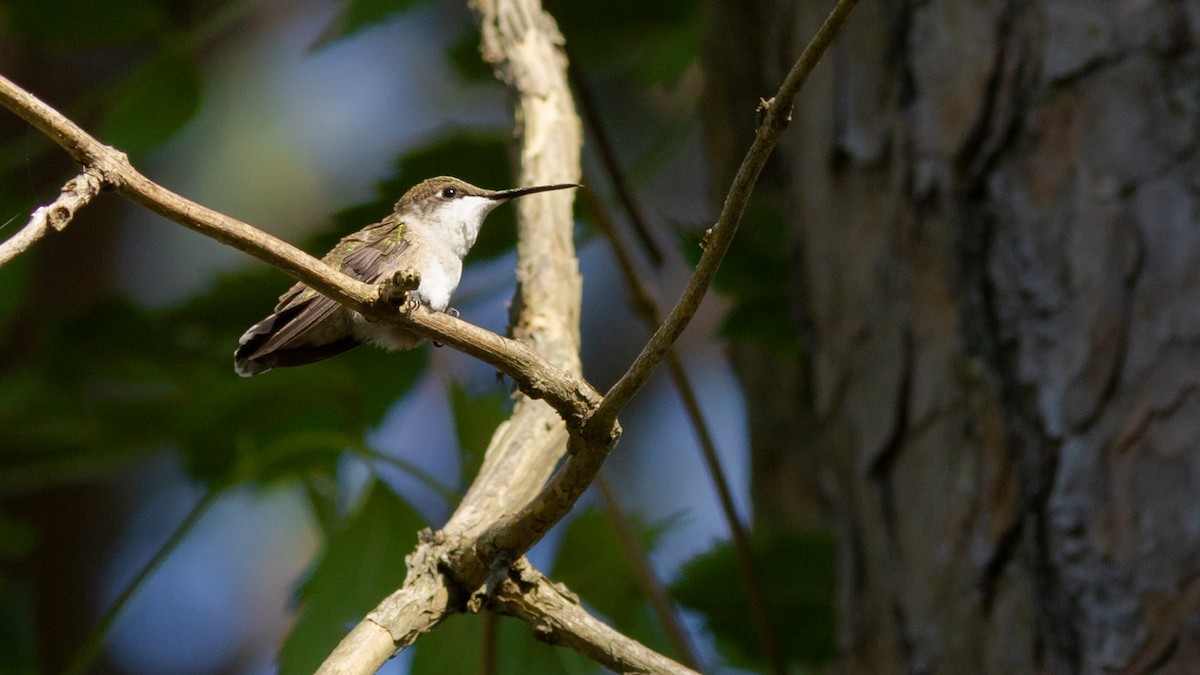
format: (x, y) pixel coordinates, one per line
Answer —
(558, 618)
(774, 116)
(644, 305)
(523, 44)
(421, 603)
(76, 194)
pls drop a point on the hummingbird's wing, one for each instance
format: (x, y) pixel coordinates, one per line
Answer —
(293, 334)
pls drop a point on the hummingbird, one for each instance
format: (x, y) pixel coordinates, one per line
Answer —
(429, 232)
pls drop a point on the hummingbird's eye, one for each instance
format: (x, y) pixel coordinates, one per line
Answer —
(448, 193)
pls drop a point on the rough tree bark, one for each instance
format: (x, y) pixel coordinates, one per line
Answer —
(994, 211)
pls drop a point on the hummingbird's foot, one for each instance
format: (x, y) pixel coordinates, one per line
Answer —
(398, 289)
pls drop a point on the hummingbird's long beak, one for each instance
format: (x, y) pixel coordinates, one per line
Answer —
(513, 193)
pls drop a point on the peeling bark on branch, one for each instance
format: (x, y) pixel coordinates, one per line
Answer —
(558, 618)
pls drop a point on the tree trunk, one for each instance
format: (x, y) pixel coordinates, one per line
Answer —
(994, 227)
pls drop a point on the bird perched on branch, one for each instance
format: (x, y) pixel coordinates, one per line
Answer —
(430, 231)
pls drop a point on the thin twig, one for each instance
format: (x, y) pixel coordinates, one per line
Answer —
(646, 308)
(94, 642)
(643, 572)
(75, 195)
(490, 652)
(774, 117)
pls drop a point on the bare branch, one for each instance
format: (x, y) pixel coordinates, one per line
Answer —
(558, 618)
(76, 194)
(420, 604)
(645, 306)
(774, 117)
(522, 43)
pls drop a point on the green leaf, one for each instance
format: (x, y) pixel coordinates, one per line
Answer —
(476, 418)
(657, 40)
(356, 15)
(520, 653)
(593, 564)
(797, 573)
(756, 274)
(466, 60)
(84, 23)
(455, 646)
(360, 565)
(153, 104)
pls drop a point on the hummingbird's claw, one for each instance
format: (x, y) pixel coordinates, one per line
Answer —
(452, 312)
(398, 289)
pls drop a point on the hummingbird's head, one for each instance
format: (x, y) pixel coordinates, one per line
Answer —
(454, 209)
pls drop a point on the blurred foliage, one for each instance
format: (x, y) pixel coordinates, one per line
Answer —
(356, 15)
(362, 562)
(14, 282)
(755, 275)
(594, 565)
(17, 647)
(476, 419)
(79, 24)
(156, 99)
(119, 380)
(656, 41)
(151, 106)
(466, 60)
(455, 647)
(798, 572)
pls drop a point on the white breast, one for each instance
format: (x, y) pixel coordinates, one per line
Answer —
(439, 278)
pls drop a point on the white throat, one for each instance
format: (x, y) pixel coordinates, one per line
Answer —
(456, 223)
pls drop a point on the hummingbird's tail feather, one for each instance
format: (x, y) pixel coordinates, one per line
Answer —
(272, 343)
